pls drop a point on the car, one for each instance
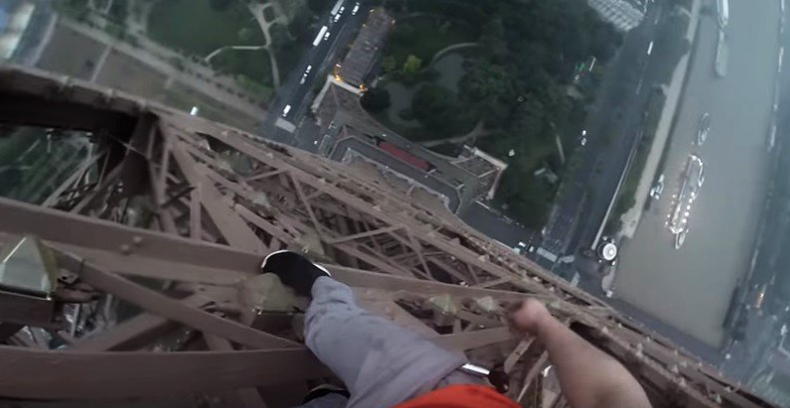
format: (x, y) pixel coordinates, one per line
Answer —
(583, 141)
(308, 69)
(286, 110)
(704, 128)
(326, 36)
(355, 10)
(658, 188)
(302, 81)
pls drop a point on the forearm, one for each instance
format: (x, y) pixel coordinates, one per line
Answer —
(589, 377)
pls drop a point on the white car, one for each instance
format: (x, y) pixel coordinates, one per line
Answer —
(326, 36)
(304, 76)
(355, 10)
(704, 128)
(286, 110)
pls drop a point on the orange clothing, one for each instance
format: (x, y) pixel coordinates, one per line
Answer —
(461, 396)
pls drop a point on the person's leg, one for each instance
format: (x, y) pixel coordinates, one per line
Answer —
(381, 363)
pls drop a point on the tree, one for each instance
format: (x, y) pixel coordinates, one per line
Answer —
(220, 5)
(375, 100)
(245, 34)
(280, 37)
(412, 66)
(436, 108)
(10, 178)
(119, 11)
(319, 7)
(388, 64)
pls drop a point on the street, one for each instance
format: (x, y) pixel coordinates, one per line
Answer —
(298, 95)
(690, 287)
(582, 206)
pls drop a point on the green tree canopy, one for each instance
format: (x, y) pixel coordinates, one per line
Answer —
(220, 5)
(388, 64)
(412, 66)
(438, 109)
(375, 100)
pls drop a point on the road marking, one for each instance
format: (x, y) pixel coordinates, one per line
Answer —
(781, 57)
(650, 48)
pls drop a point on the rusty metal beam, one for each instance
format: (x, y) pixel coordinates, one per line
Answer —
(53, 375)
(304, 196)
(247, 397)
(233, 228)
(172, 309)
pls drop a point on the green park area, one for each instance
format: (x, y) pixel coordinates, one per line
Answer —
(230, 37)
(197, 27)
(32, 165)
(511, 92)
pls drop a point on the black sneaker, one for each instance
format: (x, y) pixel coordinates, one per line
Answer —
(323, 390)
(294, 270)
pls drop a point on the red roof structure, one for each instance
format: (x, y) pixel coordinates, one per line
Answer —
(405, 156)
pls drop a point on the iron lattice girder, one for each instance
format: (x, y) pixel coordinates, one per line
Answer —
(215, 200)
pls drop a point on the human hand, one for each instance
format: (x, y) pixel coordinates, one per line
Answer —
(528, 316)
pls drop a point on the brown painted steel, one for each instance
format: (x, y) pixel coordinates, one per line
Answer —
(119, 375)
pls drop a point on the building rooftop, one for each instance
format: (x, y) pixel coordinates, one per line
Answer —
(365, 47)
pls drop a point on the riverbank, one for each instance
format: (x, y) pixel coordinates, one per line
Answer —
(674, 93)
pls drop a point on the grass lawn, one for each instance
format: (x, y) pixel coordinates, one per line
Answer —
(184, 98)
(195, 27)
(423, 36)
(253, 64)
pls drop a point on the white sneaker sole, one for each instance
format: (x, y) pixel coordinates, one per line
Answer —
(285, 250)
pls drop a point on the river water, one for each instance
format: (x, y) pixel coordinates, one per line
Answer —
(690, 288)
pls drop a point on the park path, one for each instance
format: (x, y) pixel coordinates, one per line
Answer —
(478, 131)
(234, 47)
(450, 48)
(257, 11)
(196, 76)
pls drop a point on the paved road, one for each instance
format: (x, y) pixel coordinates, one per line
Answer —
(300, 95)
(690, 288)
(582, 206)
(498, 226)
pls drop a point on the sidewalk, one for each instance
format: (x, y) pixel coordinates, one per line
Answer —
(673, 92)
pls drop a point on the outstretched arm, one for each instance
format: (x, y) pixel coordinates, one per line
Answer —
(589, 378)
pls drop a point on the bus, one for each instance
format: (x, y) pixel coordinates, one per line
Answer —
(320, 36)
(336, 8)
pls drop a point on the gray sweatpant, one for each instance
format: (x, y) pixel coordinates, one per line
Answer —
(381, 363)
